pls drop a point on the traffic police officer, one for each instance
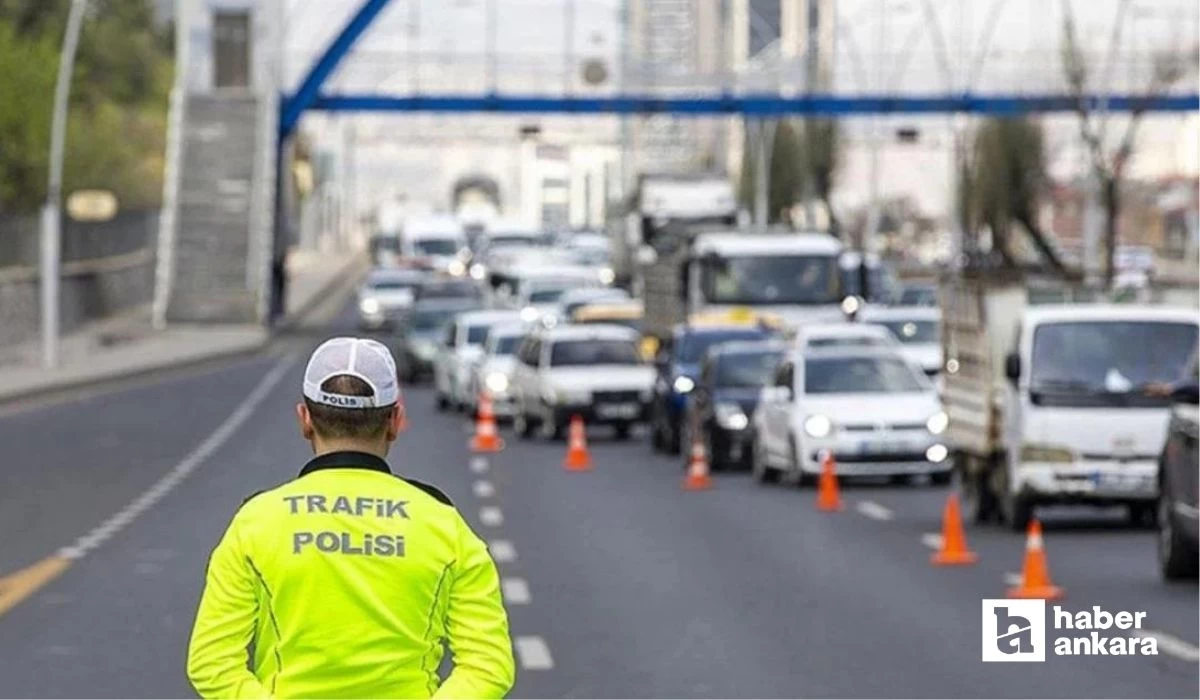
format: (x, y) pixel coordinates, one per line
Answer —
(344, 581)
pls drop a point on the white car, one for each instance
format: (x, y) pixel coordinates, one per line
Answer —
(438, 242)
(494, 371)
(594, 371)
(538, 291)
(816, 336)
(462, 346)
(918, 328)
(869, 407)
(386, 295)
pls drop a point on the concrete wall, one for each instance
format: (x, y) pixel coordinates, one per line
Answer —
(93, 286)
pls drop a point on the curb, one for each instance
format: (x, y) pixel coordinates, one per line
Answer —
(242, 349)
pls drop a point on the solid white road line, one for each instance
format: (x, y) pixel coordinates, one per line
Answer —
(186, 466)
(479, 465)
(932, 540)
(491, 516)
(483, 489)
(1012, 578)
(873, 510)
(533, 654)
(1174, 646)
(515, 591)
(502, 551)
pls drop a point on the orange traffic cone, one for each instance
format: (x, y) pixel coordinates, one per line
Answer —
(486, 439)
(1035, 576)
(697, 478)
(954, 540)
(578, 458)
(829, 499)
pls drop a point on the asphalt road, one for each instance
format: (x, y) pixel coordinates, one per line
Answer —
(619, 583)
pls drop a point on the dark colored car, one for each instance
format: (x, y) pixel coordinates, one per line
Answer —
(719, 409)
(1179, 481)
(421, 332)
(678, 364)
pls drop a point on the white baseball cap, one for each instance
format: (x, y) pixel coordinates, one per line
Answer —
(367, 360)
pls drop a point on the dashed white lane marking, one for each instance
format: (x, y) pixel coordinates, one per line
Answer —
(1012, 578)
(502, 551)
(186, 466)
(483, 489)
(491, 516)
(533, 654)
(873, 510)
(1174, 646)
(515, 591)
(479, 465)
(932, 540)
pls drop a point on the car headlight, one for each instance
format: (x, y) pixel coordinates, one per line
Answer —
(684, 384)
(607, 275)
(1032, 452)
(731, 416)
(938, 423)
(818, 426)
(369, 306)
(478, 271)
(937, 453)
(529, 314)
(497, 382)
(456, 268)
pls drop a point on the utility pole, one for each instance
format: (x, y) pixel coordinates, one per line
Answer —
(51, 233)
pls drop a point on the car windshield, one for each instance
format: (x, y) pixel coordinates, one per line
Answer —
(880, 280)
(391, 285)
(497, 241)
(912, 331)
(545, 296)
(746, 370)
(450, 290)
(1107, 362)
(775, 279)
(848, 341)
(477, 334)
(861, 375)
(569, 353)
(436, 246)
(918, 296)
(693, 346)
(505, 345)
(430, 320)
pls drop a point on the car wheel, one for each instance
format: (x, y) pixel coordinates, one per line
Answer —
(1176, 556)
(758, 466)
(1016, 511)
(979, 502)
(551, 430)
(1143, 514)
(802, 480)
(621, 431)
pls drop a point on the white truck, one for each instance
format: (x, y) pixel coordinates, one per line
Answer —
(1054, 403)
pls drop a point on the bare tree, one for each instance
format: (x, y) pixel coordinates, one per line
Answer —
(1005, 179)
(1108, 163)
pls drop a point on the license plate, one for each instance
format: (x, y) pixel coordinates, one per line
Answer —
(882, 446)
(617, 410)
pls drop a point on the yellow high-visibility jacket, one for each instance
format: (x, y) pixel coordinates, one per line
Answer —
(343, 583)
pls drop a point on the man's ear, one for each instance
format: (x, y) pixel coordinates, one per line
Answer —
(395, 422)
(305, 420)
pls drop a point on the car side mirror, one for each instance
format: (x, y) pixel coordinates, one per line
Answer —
(1186, 393)
(1012, 367)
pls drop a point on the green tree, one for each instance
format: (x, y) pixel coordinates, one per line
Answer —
(118, 100)
(822, 157)
(786, 172)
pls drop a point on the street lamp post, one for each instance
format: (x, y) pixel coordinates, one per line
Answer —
(51, 232)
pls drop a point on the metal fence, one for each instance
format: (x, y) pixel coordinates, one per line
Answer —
(128, 232)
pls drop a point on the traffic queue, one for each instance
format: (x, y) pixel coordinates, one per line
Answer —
(1032, 400)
